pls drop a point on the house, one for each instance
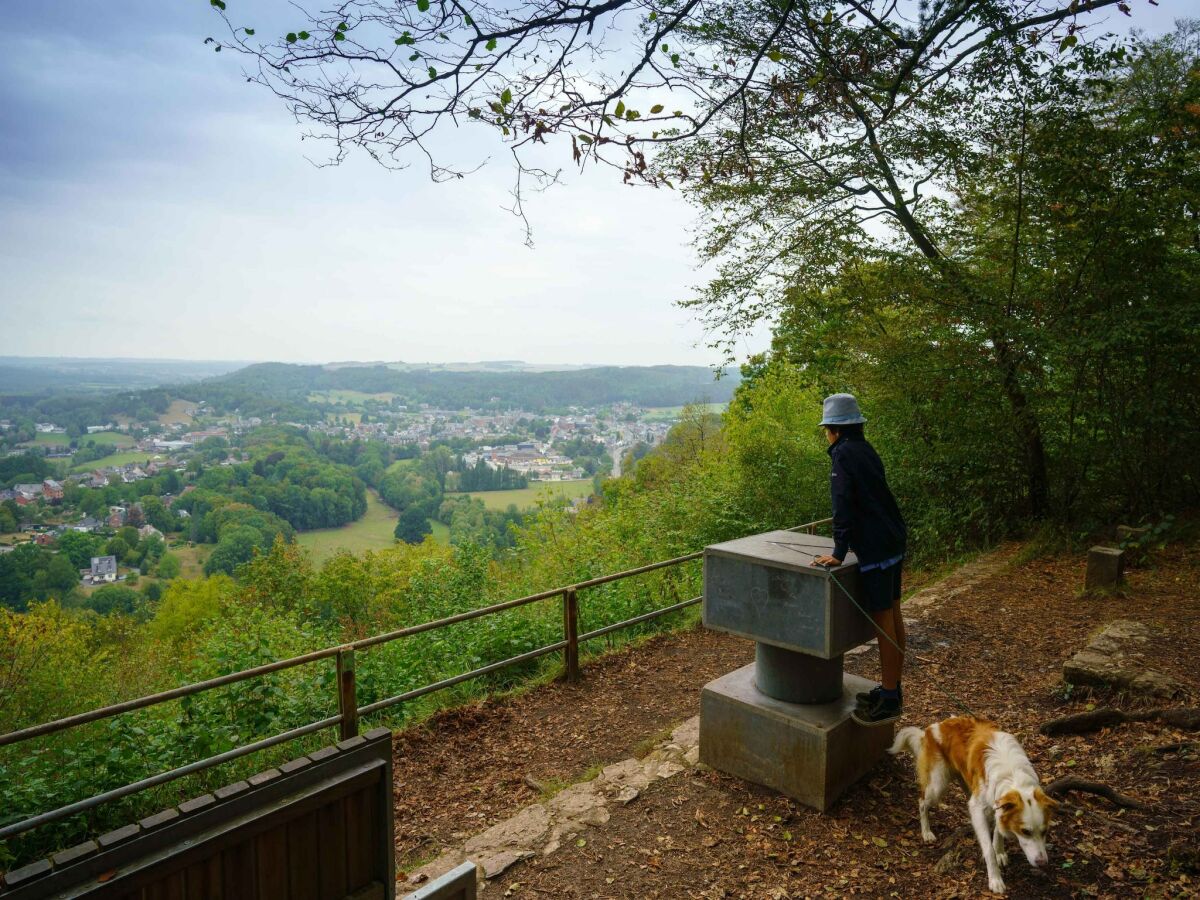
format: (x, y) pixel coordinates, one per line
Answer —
(104, 568)
(52, 491)
(86, 524)
(25, 494)
(147, 531)
(116, 516)
(44, 539)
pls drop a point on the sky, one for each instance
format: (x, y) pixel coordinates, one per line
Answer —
(155, 205)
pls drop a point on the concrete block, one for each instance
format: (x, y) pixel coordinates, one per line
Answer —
(810, 752)
(765, 588)
(796, 677)
(1105, 568)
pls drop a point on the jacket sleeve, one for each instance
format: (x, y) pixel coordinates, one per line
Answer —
(841, 489)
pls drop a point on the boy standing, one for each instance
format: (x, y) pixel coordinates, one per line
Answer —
(867, 520)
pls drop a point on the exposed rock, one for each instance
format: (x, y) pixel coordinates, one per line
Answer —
(522, 831)
(1113, 659)
(542, 827)
(497, 863)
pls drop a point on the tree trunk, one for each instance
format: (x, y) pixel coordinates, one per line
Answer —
(1034, 449)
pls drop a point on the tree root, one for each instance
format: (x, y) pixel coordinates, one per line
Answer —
(1184, 717)
(1073, 783)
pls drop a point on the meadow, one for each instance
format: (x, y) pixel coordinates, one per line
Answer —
(176, 415)
(339, 395)
(374, 531)
(526, 498)
(116, 459)
(675, 413)
(106, 437)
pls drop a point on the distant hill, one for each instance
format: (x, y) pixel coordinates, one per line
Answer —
(57, 374)
(282, 388)
(487, 365)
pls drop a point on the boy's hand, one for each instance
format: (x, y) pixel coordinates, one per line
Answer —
(826, 561)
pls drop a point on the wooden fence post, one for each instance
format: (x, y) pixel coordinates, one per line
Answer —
(571, 633)
(347, 695)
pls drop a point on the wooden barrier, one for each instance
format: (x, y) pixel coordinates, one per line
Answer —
(317, 828)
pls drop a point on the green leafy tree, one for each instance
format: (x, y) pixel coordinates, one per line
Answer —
(236, 547)
(113, 598)
(168, 567)
(80, 547)
(61, 576)
(413, 525)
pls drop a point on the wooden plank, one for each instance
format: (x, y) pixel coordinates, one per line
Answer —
(361, 840)
(239, 873)
(331, 850)
(304, 867)
(204, 879)
(271, 860)
(170, 886)
(138, 867)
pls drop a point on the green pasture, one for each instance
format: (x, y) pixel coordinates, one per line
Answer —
(374, 531)
(175, 414)
(538, 491)
(674, 413)
(338, 395)
(117, 459)
(108, 437)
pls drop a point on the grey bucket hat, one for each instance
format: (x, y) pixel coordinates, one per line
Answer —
(842, 409)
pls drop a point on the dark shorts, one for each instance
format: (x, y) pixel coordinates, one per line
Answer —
(881, 587)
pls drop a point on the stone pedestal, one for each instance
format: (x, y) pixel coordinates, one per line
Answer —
(785, 721)
(1105, 568)
(811, 752)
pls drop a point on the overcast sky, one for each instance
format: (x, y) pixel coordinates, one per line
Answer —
(153, 204)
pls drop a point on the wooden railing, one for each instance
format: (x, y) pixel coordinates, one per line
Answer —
(349, 711)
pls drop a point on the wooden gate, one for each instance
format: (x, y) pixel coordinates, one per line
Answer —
(317, 828)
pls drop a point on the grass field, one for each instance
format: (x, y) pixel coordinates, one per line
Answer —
(117, 459)
(672, 413)
(108, 437)
(524, 498)
(337, 395)
(50, 440)
(175, 413)
(374, 531)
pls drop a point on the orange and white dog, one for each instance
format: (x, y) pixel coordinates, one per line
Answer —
(1006, 799)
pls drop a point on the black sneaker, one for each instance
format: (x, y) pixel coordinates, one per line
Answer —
(867, 698)
(880, 712)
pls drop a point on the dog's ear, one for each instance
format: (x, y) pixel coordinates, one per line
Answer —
(1007, 802)
(1048, 803)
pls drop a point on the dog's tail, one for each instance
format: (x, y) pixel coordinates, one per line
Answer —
(908, 739)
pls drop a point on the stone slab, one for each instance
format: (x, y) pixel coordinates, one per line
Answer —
(810, 752)
(1105, 568)
(1115, 658)
(765, 588)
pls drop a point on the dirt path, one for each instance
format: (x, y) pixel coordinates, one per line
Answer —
(997, 635)
(483, 762)
(469, 768)
(1001, 643)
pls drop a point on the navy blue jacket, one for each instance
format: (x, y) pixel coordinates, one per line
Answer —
(866, 518)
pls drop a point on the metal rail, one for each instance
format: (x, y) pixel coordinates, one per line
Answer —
(348, 711)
